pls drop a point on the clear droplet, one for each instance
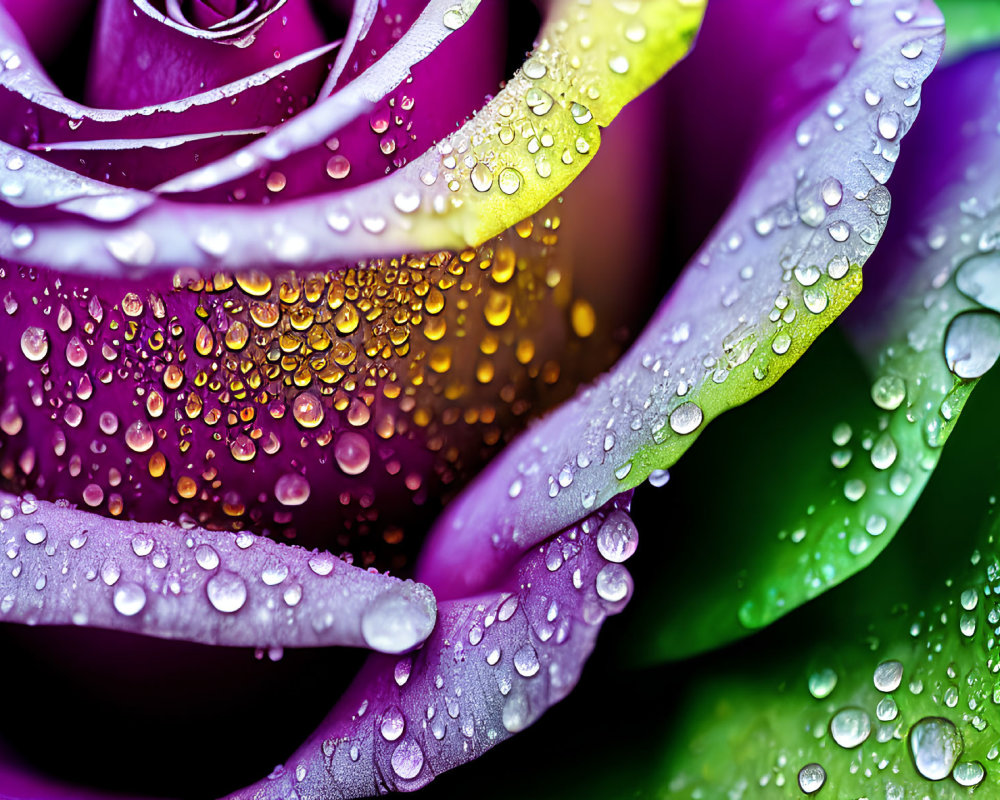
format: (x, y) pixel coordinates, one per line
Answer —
(935, 745)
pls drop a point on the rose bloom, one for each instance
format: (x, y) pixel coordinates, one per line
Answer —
(282, 277)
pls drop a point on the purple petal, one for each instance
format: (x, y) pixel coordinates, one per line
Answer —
(144, 57)
(778, 268)
(494, 664)
(70, 567)
(36, 115)
(317, 124)
(410, 210)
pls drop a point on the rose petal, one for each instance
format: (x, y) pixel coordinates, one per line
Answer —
(388, 216)
(37, 115)
(72, 567)
(493, 665)
(779, 267)
(142, 57)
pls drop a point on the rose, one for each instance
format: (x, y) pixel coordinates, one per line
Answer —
(349, 377)
(458, 563)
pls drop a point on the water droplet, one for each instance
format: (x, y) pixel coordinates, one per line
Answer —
(142, 544)
(393, 724)
(969, 773)
(811, 778)
(206, 557)
(139, 436)
(509, 180)
(823, 682)
(886, 710)
(454, 17)
(935, 745)
(34, 343)
(686, 418)
(972, 343)
(353, 453)
(274, 572)
(888, 392)
(322, 563)
(291, 489)
(612, 582)
(888, 676)
(35, 533)
(129, 599)
(617, 538)
(407, 759)
(482, 178)
(226, 591)
(979, 279)
(850, 727)
(526, 661)
(398, 620)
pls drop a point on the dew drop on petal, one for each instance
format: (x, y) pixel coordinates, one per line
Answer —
(617, 538)
(686, 418)
(888, 676)
(407, 759)
(811, 778)
(395, 622)
(972, 343)
(34, 343)
(226, 591)
(129, 599)
(612, 582)
(935, 745)
(206, 556)
(850, 727)
(291, 489)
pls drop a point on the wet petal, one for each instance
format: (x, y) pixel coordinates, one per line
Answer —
(866, 443)
(893, 672)
(67, 566)
(779, 267)
(493, 665)
(37, 116)
(146, 57)
(381, 217)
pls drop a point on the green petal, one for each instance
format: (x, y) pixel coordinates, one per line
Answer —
(933, 609)
(832, 464)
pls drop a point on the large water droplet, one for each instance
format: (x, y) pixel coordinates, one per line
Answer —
(393, 724)
(129, 599)
(398, 620)
(407, 759)
(612, 583)
(972, 343)
(811, 778)
(888, 676)
(686, 418)
(34, 343)
(936, 745)
(526, 661)
(226, 591)
(850, 727)
(618, 538)
(979, 278)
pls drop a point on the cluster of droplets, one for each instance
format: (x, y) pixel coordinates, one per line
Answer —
(492, 668)
(170, 582)
(397, 371)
